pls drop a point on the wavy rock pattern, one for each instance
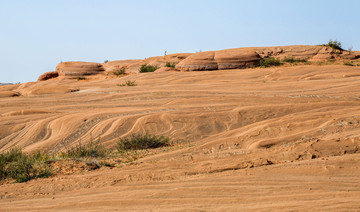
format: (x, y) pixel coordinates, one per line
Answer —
(255, 139)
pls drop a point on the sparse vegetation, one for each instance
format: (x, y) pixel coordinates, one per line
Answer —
(119, 72)
(349, 64)
(141, 141)
(128, 83)
(81, 78)
(170, 65)
(147, 68)
(105, 61)
(334, 44)
(268, 62)
(293, 60)
(93, 149)
(22, 167)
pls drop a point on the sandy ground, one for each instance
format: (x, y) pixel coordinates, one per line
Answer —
(282, 138)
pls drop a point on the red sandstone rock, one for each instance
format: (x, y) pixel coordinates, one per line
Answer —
(78, 68)
(48, 75)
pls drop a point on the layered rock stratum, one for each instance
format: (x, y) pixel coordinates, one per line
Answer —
(239, 58)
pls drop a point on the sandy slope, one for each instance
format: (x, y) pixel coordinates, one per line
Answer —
(257, 139)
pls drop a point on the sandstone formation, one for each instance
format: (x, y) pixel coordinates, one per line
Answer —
(165, 69)
(75, 69)
(262, 139)
(248, 57)
(112, 66)
(162, 60)
(8, 94)
(238, 58)
(198, 62)
(132, 66)
(48, 75)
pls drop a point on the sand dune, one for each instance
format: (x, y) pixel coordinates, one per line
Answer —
(252, 139)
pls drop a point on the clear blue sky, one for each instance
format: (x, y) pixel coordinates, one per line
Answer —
(35, 35)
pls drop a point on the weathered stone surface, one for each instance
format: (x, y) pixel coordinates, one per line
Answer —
(78, 68)
(112, 66)
(8, 94)
(236, 58)
(162, 60)
(247, 57)
(133, 66)
(48, 75)
(297, 51)
(211, 60)
(348, 56)
(200, 61)
(166, 69)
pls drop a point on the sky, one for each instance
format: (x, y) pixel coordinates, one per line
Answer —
(35, 35)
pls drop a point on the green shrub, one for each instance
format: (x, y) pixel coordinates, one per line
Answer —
(349, 64)
(119, 72)
(334, 44)
(293, 60)
(22, 167)
(141, 141)
(147, 68)
(81, 78)
(128, 83)
(93, 149)
(170, 65)
(268, 62)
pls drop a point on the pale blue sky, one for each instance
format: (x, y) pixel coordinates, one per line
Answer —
(35, 35)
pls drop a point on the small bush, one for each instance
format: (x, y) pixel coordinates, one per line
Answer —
(268, 62)
(93, 149)
(334, 44)
(22, 167)
(141, 141)
(119, 72)
(128, 83)
(105, 61)
(81, 78)
(293, 60)
(147, 68)
(349, 64)
(170, 65)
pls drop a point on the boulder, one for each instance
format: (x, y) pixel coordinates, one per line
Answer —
(76, 69)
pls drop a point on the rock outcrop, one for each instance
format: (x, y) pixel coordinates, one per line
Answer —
(238, 58)
(112, 66)
(75, 69)
(198, 62)
(48, 75)
(297, 51)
